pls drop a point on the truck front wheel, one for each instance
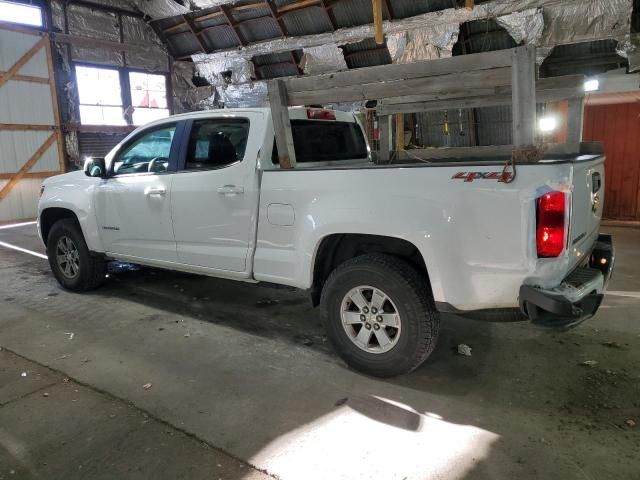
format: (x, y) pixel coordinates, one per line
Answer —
(379, 315)
(72, 264)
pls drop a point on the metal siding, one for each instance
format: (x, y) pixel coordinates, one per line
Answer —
(16, 147)
(98, 144)
(14, 45)
(26, 103)
(431, 128)
(495, 125)
(22, 201)
(29, 104)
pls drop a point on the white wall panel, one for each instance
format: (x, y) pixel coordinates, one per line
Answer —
(24, 103)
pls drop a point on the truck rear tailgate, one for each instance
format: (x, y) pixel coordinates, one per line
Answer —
(586, 205)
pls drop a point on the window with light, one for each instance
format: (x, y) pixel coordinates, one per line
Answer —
(148, 97)
(100, 96)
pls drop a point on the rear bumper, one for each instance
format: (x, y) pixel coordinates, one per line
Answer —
(578, 296)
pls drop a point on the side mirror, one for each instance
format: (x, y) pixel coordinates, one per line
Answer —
(95, 167)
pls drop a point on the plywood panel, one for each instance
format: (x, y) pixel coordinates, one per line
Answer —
(618, 127)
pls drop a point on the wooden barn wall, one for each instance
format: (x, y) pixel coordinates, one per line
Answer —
(618, 127)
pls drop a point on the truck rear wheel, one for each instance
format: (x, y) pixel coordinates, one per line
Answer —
(379, 315)
(72, 264)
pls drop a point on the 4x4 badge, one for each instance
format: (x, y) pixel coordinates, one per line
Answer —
(471, 176)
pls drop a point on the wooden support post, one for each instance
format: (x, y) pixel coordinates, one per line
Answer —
(523, 91)
(575, 120)
(469, 4)
(377, 21)
(399, 131)
(384, 136)
(55, 106)
(277, 92)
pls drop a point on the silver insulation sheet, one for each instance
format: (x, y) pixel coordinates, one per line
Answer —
(586, 20)
(323, 59)
(57, 15)
(569, 21)
(157, 9)
(93, 23)
(154, 58)
(245, 95)
(224, 68)
(423, 44)
(525, 26)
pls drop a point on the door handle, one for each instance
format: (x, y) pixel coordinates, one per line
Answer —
(155, 191)
(230, 190)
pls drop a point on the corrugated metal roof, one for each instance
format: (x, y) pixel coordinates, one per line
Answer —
(409, 8)
(366, 54)
(353, 12)
(184, 44)
(306, 22)
(587, 58)
(259, 29)
(276, 65)
(220, 37)
(242, 15)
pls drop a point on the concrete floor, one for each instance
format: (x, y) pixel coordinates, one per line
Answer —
(242, 377)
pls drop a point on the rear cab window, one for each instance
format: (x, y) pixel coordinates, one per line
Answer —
(326, 141)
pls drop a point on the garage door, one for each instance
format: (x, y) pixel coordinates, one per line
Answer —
(617, 126)
(30, 136)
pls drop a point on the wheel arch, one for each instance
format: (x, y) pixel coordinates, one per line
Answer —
(335, 249)
(50, 215)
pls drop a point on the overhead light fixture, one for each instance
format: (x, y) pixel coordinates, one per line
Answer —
(592, 85)
(548, 124)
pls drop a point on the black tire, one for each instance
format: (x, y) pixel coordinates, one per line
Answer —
(92, 268)
(411, 295)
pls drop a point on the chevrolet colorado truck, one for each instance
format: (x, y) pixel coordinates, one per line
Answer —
(382, 249)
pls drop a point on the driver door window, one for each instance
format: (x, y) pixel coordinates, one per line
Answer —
(147, 154)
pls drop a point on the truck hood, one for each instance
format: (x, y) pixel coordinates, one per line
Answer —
(75, 177)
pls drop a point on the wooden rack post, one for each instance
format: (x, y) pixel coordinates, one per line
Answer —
(278, 99)
(523, 91)
(493, 78)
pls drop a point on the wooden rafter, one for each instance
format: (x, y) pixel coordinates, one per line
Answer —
(298, 6)
(276, 16)
(328, 10)
(233, 24)
(193, 29)
(377, 21)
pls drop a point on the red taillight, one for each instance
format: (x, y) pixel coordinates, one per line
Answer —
(318, 114)
(550, 227)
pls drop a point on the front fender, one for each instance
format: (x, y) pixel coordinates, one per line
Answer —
(74, 192)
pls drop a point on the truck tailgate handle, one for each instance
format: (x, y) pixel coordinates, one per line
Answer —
(596, 182)
(230, 190)
(155, 191)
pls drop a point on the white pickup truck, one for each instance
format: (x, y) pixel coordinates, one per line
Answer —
(381, 248)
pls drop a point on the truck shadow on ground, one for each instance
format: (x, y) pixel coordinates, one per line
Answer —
(287, 314)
